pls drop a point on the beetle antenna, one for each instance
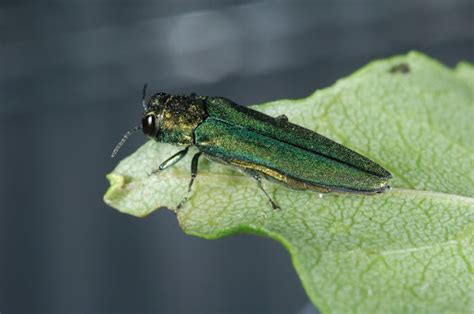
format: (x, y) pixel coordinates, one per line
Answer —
(124, 139)
(143, 97)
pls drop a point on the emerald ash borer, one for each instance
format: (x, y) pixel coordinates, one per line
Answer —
(257, 144)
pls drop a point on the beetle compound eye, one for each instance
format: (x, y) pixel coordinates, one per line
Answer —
(148, 125)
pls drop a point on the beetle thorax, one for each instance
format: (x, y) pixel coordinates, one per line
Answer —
(178, 116)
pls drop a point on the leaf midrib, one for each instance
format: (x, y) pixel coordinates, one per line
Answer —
(237, 176)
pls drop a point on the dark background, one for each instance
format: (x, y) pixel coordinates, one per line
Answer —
(71, 75)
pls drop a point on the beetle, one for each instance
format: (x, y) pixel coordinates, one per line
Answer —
(256, 144)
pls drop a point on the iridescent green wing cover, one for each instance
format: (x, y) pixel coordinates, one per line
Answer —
(228, 111)
(284, 151)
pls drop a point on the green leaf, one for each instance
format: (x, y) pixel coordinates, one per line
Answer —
(410, 249)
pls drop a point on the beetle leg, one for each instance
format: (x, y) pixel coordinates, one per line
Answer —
(260, 186)
(172, 160)
(194, 167)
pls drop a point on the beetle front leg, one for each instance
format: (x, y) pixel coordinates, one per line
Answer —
(172, 160)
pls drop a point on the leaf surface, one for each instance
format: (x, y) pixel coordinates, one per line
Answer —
(410, 249)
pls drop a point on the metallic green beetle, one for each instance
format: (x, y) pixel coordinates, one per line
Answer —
(256, 144)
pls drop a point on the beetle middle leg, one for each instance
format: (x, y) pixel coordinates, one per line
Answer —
(194, 168)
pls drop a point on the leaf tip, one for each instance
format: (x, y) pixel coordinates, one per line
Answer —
(117, 184)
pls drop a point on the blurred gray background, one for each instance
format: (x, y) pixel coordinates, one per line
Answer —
(71, 74)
